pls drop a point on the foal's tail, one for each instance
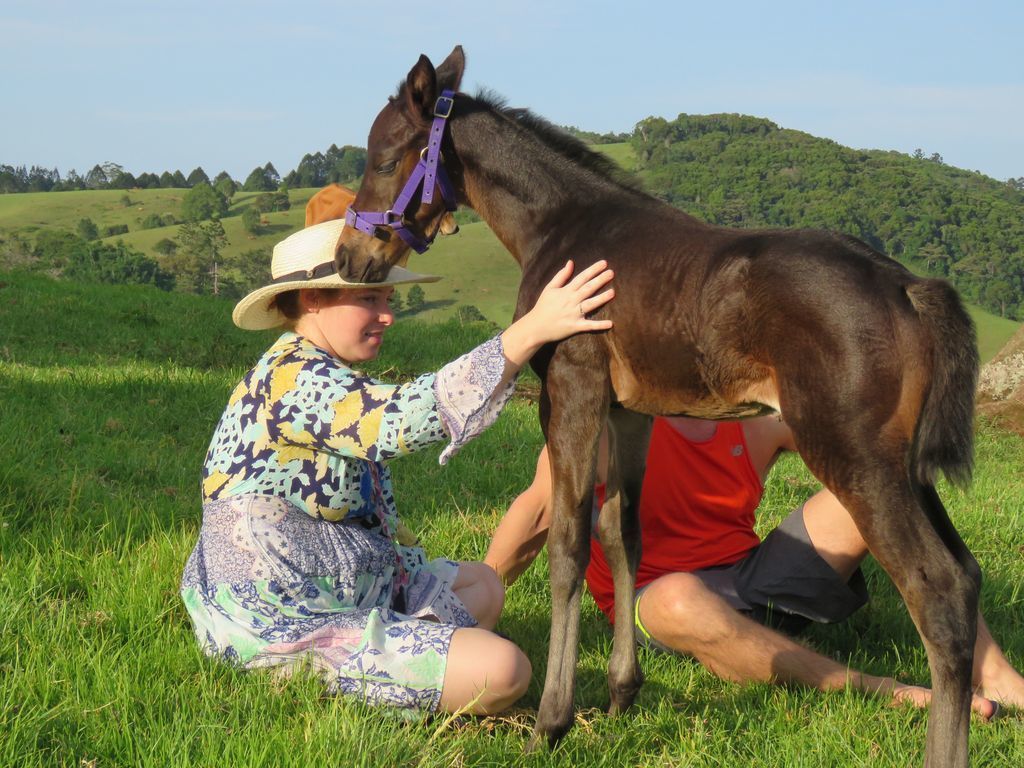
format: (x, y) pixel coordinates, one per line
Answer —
(945, 429)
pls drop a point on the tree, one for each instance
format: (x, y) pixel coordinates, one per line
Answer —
(197, 176)
(271, 173)
(73, 181)
(54, 247)
(87, 229)
(272, 201)
(179, 180)
(259, 180)
(345, 165)
(152, 221)
(42, 179)
(226, 186)
(96, 178)
(253, 268)
(469, 313)
(203, 202)
(196, 262)
(415, 299)
(999, 293)
(121, 179)
(934, 257)
(165, 247)
(118, 264)
(166, 180)
(9, 179)
(251, 220)
(396, 302)
(112, 170)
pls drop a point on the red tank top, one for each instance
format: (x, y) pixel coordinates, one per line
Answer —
(696, 508)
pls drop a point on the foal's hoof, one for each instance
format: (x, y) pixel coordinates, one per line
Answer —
(537, 742)
(622, 696)
(616, 708)
(541, 735)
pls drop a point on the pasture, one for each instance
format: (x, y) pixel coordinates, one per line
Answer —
(108, 397)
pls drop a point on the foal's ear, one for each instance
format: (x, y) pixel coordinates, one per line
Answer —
(421, 89)
(449, 74)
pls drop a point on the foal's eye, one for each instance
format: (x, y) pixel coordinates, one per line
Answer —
(386, 168)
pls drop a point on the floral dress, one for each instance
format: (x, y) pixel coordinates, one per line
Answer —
(301, 558)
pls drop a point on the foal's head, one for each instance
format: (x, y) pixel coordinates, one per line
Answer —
(397, 137)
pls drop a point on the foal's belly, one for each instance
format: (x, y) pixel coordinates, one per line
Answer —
(659, 395)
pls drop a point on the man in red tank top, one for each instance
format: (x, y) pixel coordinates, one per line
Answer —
(709, 588)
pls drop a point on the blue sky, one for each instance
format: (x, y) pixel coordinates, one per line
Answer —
(229, 85)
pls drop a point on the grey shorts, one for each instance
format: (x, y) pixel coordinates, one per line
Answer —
(782, 583)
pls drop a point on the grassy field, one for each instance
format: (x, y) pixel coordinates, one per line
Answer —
(29, 212)
(108, 397)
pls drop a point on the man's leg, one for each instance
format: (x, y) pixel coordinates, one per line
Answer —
(481, 591)
(994, 676)
(680, 612)
(837, 540)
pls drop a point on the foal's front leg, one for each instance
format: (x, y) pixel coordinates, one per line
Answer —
(575, 400)
(619, 527)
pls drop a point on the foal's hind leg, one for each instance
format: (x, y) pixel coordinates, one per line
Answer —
(940, 588)
(629, 434)
(574, 403)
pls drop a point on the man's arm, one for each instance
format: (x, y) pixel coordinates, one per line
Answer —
(767, 438)
(523, 530)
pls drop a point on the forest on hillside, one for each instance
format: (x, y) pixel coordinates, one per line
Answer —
(335, 165)
(742, 171)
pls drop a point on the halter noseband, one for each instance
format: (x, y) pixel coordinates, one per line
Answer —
(428, 172)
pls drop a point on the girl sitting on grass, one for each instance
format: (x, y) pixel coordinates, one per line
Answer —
(301, 557)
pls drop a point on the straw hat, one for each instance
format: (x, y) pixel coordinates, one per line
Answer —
(306, 260)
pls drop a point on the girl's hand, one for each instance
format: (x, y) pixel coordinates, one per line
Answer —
(561, 311)
(562, 307)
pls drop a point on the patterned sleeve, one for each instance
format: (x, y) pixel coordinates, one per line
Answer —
(319, 404)
(469, 394)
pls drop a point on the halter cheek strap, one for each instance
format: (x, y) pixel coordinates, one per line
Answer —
(428, 173)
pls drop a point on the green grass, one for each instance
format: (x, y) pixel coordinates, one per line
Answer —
(993, 331)
(622, 154)
(28, 213)
(108, 397)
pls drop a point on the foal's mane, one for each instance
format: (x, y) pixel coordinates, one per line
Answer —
(559, 141)
(555, 138)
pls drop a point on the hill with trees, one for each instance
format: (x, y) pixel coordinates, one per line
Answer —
(745, 171)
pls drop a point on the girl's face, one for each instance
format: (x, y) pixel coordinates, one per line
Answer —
(351, 325)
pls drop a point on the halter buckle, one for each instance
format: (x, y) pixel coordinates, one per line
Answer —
(443, 106)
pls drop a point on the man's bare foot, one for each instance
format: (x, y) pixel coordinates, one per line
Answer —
(1006, 689)
(920, 697)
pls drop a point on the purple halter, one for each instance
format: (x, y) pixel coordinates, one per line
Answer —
(428, 172)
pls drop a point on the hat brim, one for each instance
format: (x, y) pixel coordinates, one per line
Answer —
(254, 312)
